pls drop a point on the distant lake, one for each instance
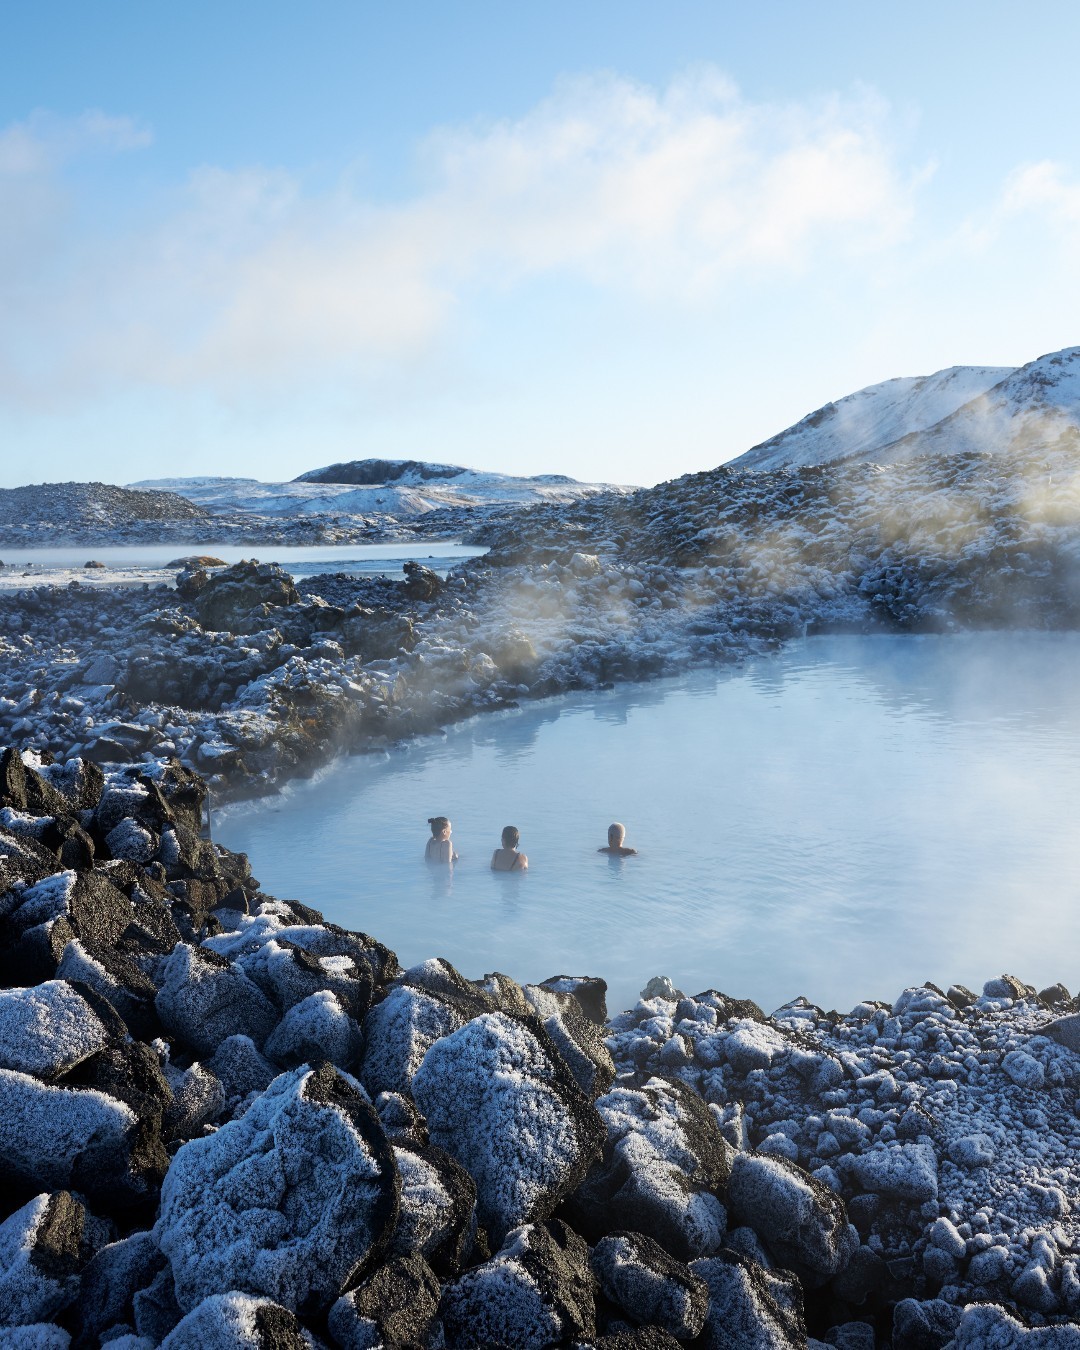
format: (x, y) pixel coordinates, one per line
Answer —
(139, 562)
(850, 816)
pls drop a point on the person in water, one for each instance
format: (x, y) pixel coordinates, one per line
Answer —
(439, 848)
(507, 858)
(615, 847)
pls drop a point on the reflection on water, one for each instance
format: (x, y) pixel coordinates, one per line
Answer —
(848, 817)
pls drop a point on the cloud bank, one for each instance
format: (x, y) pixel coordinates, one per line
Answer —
(245, 282)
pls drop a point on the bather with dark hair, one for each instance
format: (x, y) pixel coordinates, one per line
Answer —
(439, 848)
(507, 858)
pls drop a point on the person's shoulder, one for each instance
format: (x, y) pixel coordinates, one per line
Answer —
(629, 851)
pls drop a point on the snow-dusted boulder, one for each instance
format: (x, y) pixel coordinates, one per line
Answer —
(288, 1201)
(115, 977)
(438, 1207)
(47, 1030)
(903, 1171)
(399, 1031)
(502, 1102)
(60, 1137)
(285, 971)
(237, 1321)
(316, 1028)
(39, 1259)
(111, 1280)
(204, 998)
(801, 1221)
(579, 1040)
(198, 1100)
(750, 1308)
(590, 991)
(637, 1275)
(987, 1327)
(241, 1070)
(663, 1163)
(535, 1292)
(396, 1306)
(40, 1336)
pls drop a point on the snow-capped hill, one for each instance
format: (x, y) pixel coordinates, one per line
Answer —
(864, 423)
(408, 494)
(1031, 406)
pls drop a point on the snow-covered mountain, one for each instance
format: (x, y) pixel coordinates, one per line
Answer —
(864, 423)
(1032, 406)
(990, 409)
(410, 488)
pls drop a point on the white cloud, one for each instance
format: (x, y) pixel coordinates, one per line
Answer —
(247, 281)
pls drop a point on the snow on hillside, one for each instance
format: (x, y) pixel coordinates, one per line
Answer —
(1030, 407)
(411, 494)
(862, 424)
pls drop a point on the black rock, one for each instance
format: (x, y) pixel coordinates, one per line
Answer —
(653, 1288)
(395, 1306)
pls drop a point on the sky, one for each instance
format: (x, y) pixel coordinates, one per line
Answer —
(612, 239)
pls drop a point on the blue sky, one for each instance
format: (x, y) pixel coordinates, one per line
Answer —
(617, 240)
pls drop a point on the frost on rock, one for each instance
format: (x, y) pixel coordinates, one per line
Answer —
(39, 1259)
(40, 1336)
(535, 1292)
(288, 1201)
(60, 1137)
(399, 1031)
(907, 1171)
(237, 1321)
(506, 1107)
(663, 1163)
(991, 1328)
(637, 1275)
(396, 1306)
(750, 1308)
(578, 1038)
(803, 1222)
(438, 1207)
(48, 1029)
(204, 998)
(314, 1029)
(111, 1280)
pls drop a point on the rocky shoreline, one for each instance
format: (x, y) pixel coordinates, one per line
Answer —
(228, 1122)
(253, 681)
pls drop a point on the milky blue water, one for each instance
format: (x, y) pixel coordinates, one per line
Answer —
(843, 819)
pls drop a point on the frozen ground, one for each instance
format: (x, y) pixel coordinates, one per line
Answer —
(835, 819)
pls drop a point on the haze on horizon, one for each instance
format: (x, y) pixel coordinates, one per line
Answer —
(610, 241)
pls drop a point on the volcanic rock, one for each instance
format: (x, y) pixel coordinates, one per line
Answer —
(288, 1201)
(498, 1098)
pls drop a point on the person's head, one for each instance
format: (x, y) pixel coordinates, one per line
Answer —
(511, 836)
(615, 835)
(440, 827)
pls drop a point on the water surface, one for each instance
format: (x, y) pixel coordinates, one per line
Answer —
(135, 563)
(841, 820)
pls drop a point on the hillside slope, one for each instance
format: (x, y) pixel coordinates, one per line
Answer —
(864, 423)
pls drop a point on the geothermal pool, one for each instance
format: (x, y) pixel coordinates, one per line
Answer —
(843, 819)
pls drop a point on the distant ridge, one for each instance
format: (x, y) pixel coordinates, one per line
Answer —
(91, 505)
(371, 472)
